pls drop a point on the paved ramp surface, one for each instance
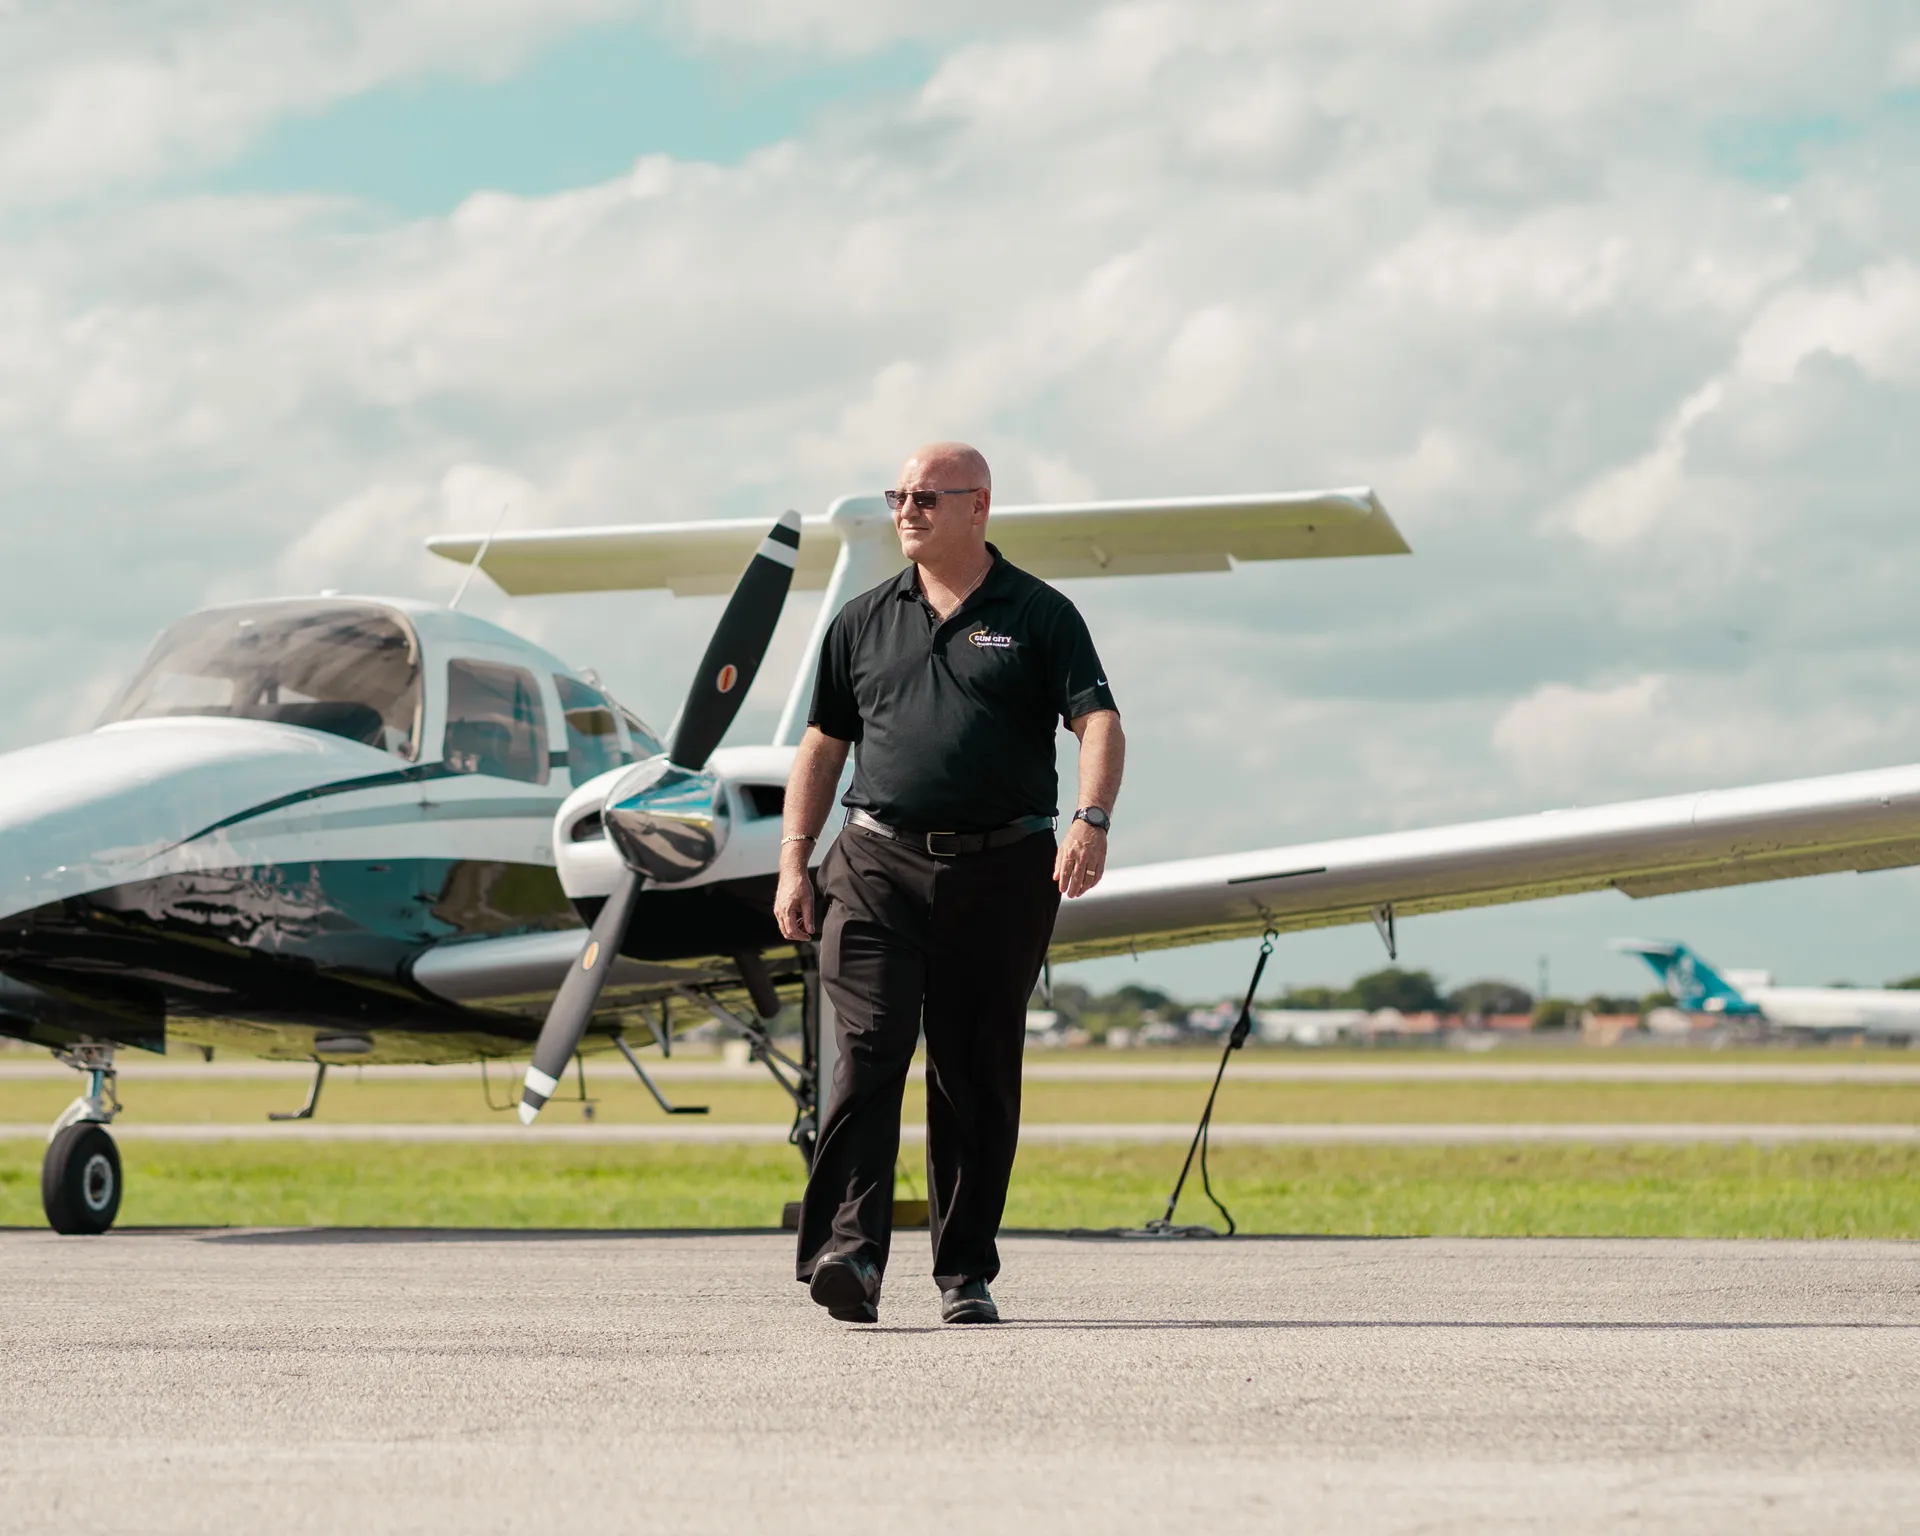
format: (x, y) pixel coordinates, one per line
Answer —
(327, 1381)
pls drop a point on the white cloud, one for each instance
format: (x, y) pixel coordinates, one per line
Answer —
(92, 99)
(1206, 365)
(397, 519)
(1558, 733)
(1873, 319)
(1658, 730)
(1646, 494)
(848, 26)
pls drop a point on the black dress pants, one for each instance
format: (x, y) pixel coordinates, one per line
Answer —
(952, 944)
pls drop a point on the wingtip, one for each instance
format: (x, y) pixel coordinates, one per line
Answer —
(527, 1113)
(790, 519)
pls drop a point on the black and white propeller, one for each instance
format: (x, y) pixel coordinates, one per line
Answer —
(668, 816)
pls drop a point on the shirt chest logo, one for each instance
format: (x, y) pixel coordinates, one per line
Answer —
(987, 640)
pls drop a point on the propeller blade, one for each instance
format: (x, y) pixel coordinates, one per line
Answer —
(726, 672)
(738, 646)
(573, 1003)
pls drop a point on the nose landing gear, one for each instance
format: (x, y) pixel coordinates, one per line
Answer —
(80, 1178)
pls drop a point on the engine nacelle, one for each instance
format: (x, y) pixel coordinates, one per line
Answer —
(745, 790)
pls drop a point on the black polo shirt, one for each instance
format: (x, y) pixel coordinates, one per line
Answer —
(955, 721)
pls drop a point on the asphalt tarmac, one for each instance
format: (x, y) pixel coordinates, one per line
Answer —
(374, 1382)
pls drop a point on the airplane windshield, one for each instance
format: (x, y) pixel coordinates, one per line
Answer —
(645, 743)
(350, 669)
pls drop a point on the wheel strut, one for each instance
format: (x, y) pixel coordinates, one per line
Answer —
(80, 1176)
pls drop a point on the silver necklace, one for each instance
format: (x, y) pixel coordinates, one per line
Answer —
(960, 601)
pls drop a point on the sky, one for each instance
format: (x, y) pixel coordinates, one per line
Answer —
(1617, 308)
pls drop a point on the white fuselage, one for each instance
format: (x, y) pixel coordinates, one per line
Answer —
(1869, 1010)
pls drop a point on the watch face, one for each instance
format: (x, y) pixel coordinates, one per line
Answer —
(1093, 816)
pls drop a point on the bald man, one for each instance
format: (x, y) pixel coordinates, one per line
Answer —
(937, 900)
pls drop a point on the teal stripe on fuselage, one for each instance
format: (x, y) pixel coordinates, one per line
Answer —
(319, 792)
(391, 813)
(487, 810)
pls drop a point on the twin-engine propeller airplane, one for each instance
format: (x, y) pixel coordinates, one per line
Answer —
(365, 830)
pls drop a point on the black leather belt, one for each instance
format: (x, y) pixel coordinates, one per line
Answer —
(947, 845)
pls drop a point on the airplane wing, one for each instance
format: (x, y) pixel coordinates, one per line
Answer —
(1095, 538)
(1196, 533)
(1856, 821)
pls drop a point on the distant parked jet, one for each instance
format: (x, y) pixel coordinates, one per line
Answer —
(1698, 988)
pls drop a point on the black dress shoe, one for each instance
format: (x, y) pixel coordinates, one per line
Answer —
(968, 1302)
(848, 1287)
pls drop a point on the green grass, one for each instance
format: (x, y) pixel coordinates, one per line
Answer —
(1514, 1189)
(1414, 1101)
(1544, 1049)
(1812, 1190)
(458, 1100)
(1517, 1190)
(453, 1100)
(402, 1184)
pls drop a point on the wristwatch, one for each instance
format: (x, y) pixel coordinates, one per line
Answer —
(1094, 817)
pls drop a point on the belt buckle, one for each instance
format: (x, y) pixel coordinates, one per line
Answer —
(935, 853)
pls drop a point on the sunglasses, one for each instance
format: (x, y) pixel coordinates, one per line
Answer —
(924, 500)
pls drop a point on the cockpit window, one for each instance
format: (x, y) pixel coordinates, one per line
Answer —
(495, 724)
(350, 669)
(593, 739)
(645, 743)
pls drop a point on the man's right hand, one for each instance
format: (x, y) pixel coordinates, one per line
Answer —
(816, 769)
(793, 901)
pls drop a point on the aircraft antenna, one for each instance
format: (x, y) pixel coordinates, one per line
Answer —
(479, 555)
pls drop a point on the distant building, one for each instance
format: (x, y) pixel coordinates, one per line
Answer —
(1606, 1028)
(1391, 1023)
(1216, 1020)
(1308, 1026)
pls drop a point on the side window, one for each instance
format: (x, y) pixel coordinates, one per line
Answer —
(494, 722)
(593, 739)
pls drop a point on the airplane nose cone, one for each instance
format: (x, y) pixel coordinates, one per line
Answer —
(668, 822)
(88, 812)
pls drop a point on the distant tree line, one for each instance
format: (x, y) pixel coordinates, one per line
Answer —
(1408, 991)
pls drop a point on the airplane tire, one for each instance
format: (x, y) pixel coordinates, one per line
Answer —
(80, 1180)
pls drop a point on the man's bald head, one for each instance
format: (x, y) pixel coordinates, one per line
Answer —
(952, 466)
(951, 535)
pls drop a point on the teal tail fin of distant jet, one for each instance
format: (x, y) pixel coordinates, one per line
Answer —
(1694, 985)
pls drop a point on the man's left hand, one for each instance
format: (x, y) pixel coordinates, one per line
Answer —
(1081, 861)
